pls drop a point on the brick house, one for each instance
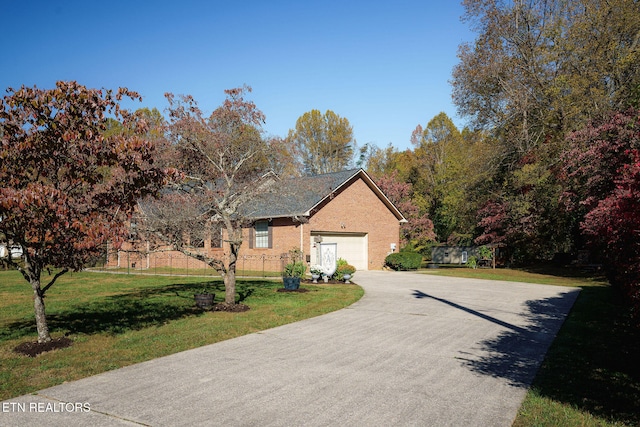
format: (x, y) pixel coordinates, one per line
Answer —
(346, 208)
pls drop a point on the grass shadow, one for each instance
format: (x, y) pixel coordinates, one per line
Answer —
(134, 310)
(569, 272)
(244, 289)
(593, 363)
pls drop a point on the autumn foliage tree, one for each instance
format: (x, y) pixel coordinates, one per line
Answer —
(537, 71)
(219, 159)
(324, 142)
(67, 189)
(418, 230)
(449, 163)
(602, 171)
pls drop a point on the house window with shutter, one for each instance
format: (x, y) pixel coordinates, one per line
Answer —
(262, 234)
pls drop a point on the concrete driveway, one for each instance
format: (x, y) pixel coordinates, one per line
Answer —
(417, 350)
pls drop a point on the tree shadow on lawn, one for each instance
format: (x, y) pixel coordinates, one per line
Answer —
(592, 364)
(128, 311)
(516, 353)
(569, 272)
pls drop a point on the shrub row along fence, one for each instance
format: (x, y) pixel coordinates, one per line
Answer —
(176, 263)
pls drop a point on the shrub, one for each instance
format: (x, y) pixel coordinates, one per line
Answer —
(484, 252)
(472, 262)
(295, 269)
(338, 275)
(345, 269)
(404, 260)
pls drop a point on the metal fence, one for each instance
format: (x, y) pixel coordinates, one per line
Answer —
(176, 263)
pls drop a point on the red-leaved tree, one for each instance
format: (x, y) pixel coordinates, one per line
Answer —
(220, 159)
(419, 228)
(603, 192)
(493, 221)
(615, 223)
(66, 188)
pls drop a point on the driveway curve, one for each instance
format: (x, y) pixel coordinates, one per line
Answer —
(416, 350)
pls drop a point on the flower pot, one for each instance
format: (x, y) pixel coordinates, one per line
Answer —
(291, 283)
(204, 301)
(315, 277)
(346, 278)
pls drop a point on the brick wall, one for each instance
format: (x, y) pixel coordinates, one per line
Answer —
(357, 209)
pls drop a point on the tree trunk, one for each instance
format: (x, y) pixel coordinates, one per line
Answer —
(230, 277)
(38, 305)
(230, 287)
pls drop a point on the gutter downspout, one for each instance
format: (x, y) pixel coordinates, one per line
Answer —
(302, 239)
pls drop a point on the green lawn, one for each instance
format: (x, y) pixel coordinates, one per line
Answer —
(591, 374)
(117, 320)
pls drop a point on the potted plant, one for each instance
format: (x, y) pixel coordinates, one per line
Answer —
(292, 274)
(346, 271)
(204, 299)
(316, 272)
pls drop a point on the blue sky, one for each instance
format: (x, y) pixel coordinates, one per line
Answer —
(383, 65)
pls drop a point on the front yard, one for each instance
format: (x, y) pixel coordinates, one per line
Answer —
(117, 320)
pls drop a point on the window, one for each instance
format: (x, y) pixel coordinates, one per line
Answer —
(262, 234)
(196, 239)
(216, 236)
(133, 230)
(212, 233)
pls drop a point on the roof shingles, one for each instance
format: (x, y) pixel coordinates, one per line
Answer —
(297, 196)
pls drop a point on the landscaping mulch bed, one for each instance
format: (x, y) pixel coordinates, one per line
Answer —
(310, 282)
(321, 282)
(34, 348)
(230, 308)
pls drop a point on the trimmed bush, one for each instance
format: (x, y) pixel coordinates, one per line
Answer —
(345, 269)
(404, 260)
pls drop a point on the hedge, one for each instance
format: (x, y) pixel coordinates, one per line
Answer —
(404, 260)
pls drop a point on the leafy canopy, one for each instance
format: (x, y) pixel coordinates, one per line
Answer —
(70, 178)
(66, 188)
(324, 142)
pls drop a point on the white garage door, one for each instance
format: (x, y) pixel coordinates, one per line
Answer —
(352, 247)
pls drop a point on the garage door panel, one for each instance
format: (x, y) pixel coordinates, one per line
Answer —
(353, 248)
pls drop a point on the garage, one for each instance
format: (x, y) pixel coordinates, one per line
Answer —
(352, 247)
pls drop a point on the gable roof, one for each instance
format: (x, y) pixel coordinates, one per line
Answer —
(298, 197)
